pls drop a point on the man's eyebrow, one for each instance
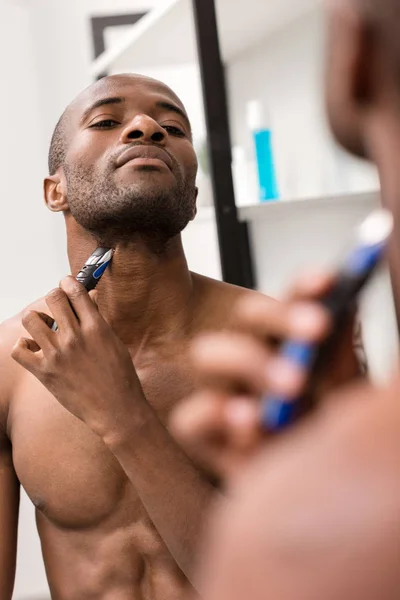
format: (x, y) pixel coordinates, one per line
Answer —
(99, 103)
(173, 108)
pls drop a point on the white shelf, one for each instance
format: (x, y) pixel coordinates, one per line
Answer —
(165, 36)
(290, 237)
(282, 209)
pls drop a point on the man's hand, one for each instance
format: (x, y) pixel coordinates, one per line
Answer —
(220, 423)
(84, 364)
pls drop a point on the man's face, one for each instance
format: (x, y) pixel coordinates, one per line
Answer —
(130, 167)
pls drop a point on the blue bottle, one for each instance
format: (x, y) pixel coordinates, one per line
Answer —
(262, 138)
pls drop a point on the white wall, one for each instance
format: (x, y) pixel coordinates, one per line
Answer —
(26, 231)
(26, 234)
(63, 49)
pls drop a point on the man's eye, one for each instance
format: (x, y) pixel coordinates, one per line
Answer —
(174, 130)
(106, 124)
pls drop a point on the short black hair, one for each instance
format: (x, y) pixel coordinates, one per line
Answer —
(58, 145)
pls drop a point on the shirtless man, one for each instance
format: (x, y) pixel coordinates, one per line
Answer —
(119, 505)
(123, 171)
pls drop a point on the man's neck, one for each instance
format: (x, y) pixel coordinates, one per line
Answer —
(384, 142)
(145, 296)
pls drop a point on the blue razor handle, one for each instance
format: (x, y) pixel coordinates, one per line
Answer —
(279, 412)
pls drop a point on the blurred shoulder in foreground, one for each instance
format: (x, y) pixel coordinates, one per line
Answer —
(318, 512)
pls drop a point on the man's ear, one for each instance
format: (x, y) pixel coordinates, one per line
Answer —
(349, 75)
(55, 195)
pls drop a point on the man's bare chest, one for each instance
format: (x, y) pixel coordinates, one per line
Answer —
(66, 470)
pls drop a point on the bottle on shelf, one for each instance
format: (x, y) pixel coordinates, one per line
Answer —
(244, 178)
(262, 139)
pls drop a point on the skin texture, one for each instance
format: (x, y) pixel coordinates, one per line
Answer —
(119, 504)
(315, 514)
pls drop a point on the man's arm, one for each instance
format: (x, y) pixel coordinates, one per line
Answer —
(175, 494)
(9, 505)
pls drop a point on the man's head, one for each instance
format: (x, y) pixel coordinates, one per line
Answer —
(363, 74)
(122, 163)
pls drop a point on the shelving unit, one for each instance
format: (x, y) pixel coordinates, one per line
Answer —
(291, 209)
(289, 237)
(166, 35)
(162, 37)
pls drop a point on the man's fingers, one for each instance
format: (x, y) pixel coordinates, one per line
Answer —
(220, 430)
(240, 364)
(312, 284)
(60, 307)
(28, 344)
(79, 299)
(37, 325)
(208, 414)
(231, 362)
(26, 353)
(198, 425)
(242, 418)
(46, 319)
(200, 417)
(263, 317)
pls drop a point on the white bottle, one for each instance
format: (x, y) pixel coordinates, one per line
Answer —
(245, 188)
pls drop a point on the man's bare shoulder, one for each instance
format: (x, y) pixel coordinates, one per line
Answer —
(10, 372)
(217, 300)
(333, 483)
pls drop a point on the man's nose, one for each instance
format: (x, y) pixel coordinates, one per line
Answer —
(145, 129)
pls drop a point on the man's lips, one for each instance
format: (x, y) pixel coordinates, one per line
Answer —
(146, 154)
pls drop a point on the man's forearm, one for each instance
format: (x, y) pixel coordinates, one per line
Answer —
(173, 491)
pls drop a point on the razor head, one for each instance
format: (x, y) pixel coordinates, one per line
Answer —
(94, 268)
